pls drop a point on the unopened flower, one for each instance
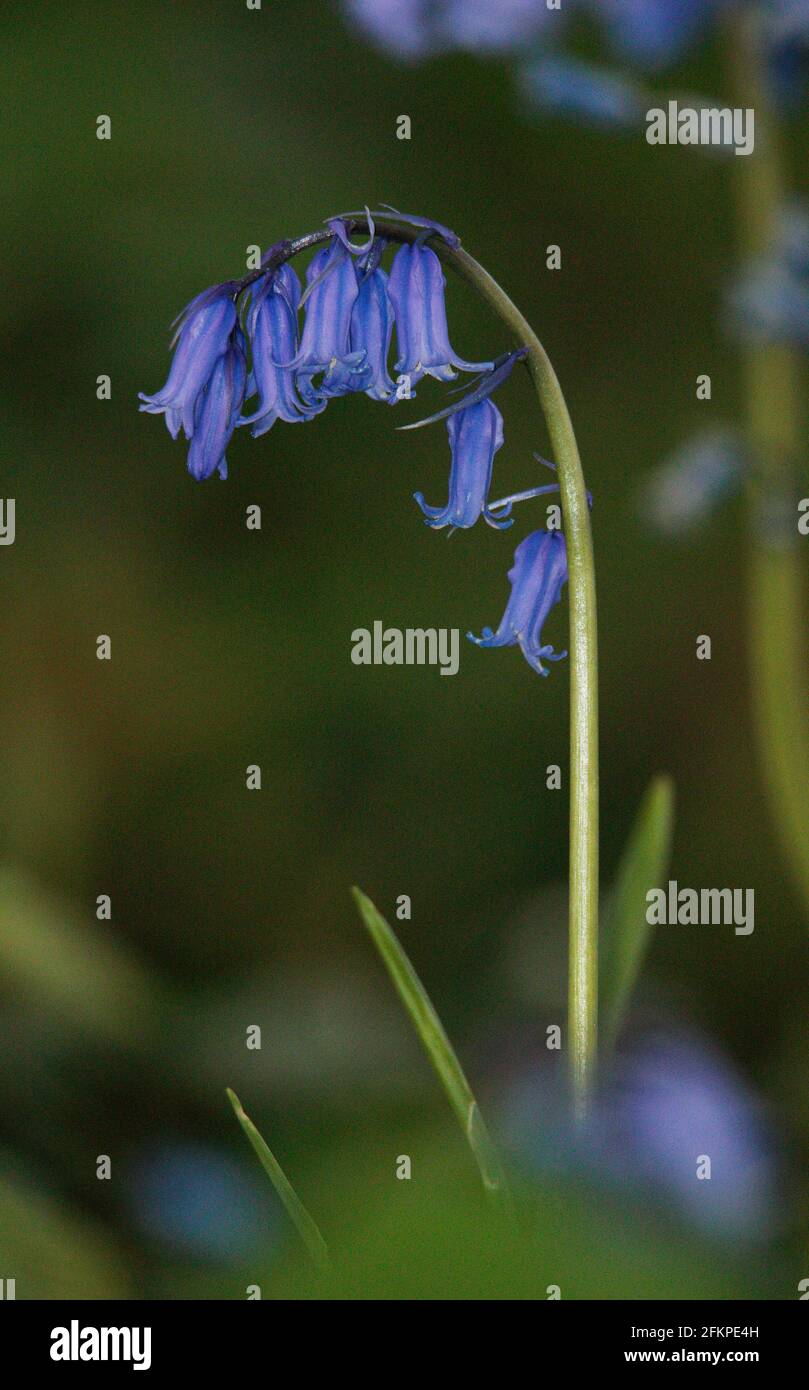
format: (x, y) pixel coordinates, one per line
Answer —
(537, 577)
(416, 289)
(475, 435)
(218, 409)
(204, 333)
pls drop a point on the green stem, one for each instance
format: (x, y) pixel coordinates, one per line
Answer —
(583, 910)
(775, 585)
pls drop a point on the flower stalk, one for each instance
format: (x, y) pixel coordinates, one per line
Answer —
(583, 868)
(350, 309)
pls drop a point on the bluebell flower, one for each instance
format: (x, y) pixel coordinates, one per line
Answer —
(416, 289)
(273, 327)
(325, 347)
(371, 331)
(204, 332)
(475, 435)
(537, 577)
(217, 411)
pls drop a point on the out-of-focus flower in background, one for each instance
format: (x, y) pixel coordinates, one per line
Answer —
(650, 36)
(196, 1200)
(692, 482)
(672, 1102)
(768, 301)
(568, 87)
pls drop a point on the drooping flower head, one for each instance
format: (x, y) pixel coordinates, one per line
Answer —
(204, 331)
(475, 435)
(416, 289)
(218, 408)
(273, 327)
(537, 577)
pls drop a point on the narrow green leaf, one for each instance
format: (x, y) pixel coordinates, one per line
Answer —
(437, 1045)
(309, 1233)
(627, 932)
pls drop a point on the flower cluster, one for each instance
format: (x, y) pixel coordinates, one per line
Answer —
(289, 351)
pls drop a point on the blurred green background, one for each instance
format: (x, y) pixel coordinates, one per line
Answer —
(231, 647)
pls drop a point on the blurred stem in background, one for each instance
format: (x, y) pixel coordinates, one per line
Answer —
(777, 613)
(583, 910)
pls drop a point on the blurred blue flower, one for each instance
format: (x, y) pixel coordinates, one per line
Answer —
(203, 334)
(537, 577)
(670, 1103)
(273, 327)
(649, 35)
(199, 1201)
(693, 481)
(567, 87)
(674, 1102)
(653, 34)
(416, 290)
(217, 411)
(325, 347)
(786, 33)
(414, 29)
(768, 301)
(475, 435)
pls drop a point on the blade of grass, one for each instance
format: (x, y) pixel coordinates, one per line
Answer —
(307, 1229)
(627, 932)
(437, 1045)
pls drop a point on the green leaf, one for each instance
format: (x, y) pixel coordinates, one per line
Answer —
(309, 1233)
(437, 1045)
(627, 932)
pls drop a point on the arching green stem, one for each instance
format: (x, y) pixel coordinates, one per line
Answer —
(583, 905)
(583, 909)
